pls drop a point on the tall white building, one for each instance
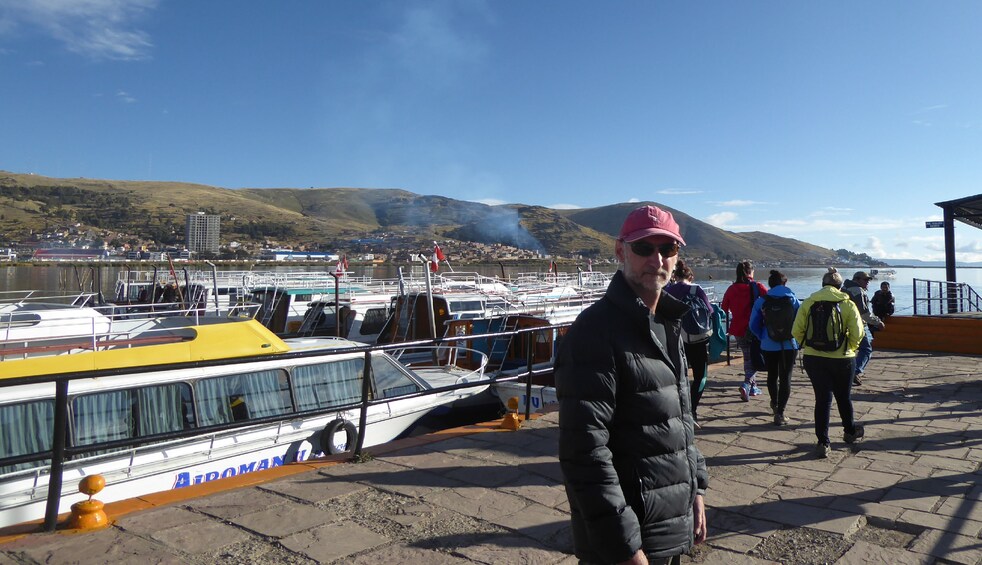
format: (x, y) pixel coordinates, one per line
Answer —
(201, 232)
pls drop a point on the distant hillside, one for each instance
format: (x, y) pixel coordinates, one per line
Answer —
(326, 218)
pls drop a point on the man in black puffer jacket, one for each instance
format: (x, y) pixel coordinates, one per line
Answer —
(634, 478)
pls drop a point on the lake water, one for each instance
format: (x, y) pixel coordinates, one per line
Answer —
(803, 281)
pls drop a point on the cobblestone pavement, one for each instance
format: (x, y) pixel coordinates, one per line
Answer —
(909, 493)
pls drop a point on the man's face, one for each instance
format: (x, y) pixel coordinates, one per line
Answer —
(647, 275)
(864, 283)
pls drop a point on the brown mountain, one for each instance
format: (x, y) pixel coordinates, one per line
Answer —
(328, 217)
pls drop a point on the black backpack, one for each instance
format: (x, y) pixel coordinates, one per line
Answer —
(778, 314)
(824, 330)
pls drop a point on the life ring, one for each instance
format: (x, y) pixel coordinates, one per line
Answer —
(328, 442)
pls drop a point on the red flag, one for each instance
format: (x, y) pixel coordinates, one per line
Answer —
(342, 265)
(438, 253)
(344, 262)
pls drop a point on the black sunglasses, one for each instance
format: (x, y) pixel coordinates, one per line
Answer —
(645, 249)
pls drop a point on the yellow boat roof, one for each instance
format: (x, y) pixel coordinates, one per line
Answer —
(236, 339)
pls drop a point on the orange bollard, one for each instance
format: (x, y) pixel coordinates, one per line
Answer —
(89, 514)
(511, 420)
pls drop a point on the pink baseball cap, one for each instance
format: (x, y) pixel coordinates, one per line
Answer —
(649, 220)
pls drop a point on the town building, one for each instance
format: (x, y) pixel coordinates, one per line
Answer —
(201, 233)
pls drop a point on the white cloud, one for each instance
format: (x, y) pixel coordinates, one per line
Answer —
(927, 109)
(101, 29)
(736, 203)
(124, 96)
(721, 220)
(679, 191)
(874, 247)
(633, 200)
(564, 206)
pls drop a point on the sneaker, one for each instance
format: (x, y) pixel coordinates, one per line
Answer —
(857, 380)
(744, 393)
(780, 420)
(852, 437)
(822, 450)
(754, 391)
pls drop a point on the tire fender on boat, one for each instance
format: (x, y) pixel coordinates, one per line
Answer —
(328, 443)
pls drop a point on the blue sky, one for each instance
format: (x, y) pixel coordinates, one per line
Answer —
(837, 123)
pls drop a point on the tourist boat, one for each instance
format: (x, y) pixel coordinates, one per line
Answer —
(160, 403)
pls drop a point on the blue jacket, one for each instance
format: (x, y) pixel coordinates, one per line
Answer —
(757, 321)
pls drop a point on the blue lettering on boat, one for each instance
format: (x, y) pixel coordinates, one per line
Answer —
(185, 479)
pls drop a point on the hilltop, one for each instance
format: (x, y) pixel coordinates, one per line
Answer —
(338, 218)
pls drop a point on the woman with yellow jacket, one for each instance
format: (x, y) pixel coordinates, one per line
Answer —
(830, 334)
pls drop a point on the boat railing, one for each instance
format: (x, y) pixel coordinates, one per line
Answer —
(935, 298)
(64, 331)
(60, 451)
(70, 300)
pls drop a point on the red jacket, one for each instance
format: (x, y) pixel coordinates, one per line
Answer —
(739, 301)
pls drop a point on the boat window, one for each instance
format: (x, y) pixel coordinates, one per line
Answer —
(124, 414)
(458, 306)
(326, 385)
(374, 320)
(25, 427)
(19, 319)
(235, 398)
(389, 380)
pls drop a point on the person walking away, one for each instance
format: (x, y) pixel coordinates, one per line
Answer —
(772, 320)
(697, 328)
(830, 329)
(882, 302)
(739, 300)
(633, 475)
(856, 289)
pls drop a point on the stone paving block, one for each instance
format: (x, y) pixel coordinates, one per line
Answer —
(362, 471)
(403, 554)
(733, 541)
(874, 479)
(156, 519)
(413, 483)
(722, 557)
(509, 549)
(800, 515)
(236, 502)
(934, 521)
(727, 494)
(739, 522)
(93, 548)
(333, 541)
(537, 489)
(910, 499)
(848, 489)
(479, 503)
(959, 507)
(863, 553)
(866, 508)
(412, 514)
(951, 547)
(486, 475)
(285, 519)
(537, 522)
(201, 537)
(314, 487)
(959, 465)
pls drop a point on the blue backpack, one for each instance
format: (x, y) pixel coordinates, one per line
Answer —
(697, 323)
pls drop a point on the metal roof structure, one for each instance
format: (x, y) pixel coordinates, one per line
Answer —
(967, 210)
